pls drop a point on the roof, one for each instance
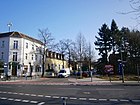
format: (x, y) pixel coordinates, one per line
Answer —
(19, 35)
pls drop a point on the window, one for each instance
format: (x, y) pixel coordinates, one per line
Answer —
(2, 55)
(26, 56)
(2, 45)
(26, 45)
(32, 47)
(37, 48)
(36, 57)
(14, 56)
(15, 44)
(32, 57)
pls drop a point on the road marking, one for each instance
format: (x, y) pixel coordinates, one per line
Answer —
(92, 99)
(55, 97)
(10, 99)
(41, 103)
(17, 100)
(33, 95)
(113, 100)
(40, 95)
(82, 98)
(4, 92)
(34, 102)
(73, 98)
(3, 98)
(135, 100)
(48, 96)
(64, 97)
(25, 101)
(15, 93)
(124, 100)
(9, 92)
(86, 92)
(27, 94)
(21, 93)
(102, 99)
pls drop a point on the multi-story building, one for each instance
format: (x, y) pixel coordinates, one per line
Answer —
(55, 61)
(20, 54)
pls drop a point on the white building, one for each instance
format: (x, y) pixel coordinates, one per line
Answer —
(20, 54)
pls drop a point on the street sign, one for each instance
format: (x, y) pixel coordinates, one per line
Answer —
(109, 69)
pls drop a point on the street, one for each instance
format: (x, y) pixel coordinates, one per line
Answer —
(37, 94)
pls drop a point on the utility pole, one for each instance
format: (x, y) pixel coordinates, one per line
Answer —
(122, 60)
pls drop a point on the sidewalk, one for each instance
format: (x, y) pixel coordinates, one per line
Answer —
(70, 81)
(98, 81)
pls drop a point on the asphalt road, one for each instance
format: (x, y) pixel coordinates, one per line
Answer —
(25, 94)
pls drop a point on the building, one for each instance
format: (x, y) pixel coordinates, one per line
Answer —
(20, 54)
(55, 61)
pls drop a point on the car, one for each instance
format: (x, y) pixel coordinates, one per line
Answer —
(64, 73)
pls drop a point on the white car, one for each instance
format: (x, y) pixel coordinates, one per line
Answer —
(64, 73)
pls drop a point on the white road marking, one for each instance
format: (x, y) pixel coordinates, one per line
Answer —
(55, 97)
(124, 100)
(64, 97)
(73, 98)
(10, 99)
(82, 98)
(9, 92)
(17, 100)
(113, 100)
(4, 92)
(21, 93)
(33, 95)
(15, 93)
(27, 94)
(102, 99)
(40, 95)
(25, 100)
(3, 98)
(92, 99)
(34, 102)
(41, 103)
(48, 96)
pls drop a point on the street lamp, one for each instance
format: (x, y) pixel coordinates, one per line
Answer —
(121, 61)
(9, 26)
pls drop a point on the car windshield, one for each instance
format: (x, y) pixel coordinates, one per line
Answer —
(62, 71)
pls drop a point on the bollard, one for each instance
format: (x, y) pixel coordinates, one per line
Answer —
(64, 101)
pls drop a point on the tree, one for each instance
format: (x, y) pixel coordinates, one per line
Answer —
(61, 48)
(114, 33)
(90, 54)
(68, 44)
(103, 43)
(47, 40)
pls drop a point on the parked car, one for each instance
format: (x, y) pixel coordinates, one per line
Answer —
(64, 73)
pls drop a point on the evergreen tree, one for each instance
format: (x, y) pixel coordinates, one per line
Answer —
(114, 34)
(103, 43)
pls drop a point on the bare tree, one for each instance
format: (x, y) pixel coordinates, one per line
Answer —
(61, 48)
(47, 40)
(80, 47)
(135, 10)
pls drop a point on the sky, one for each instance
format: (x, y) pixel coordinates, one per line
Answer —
(65, 19)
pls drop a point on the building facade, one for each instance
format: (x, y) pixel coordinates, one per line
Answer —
(55, 61)
(20, 54)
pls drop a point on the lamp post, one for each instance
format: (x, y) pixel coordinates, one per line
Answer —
(9, 26)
